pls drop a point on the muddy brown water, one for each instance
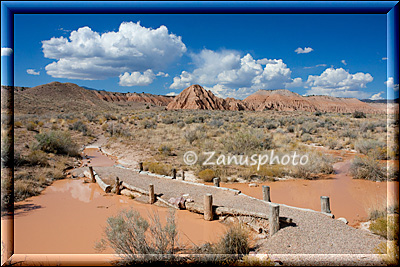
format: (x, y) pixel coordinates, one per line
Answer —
(69, 217)
(349, 198)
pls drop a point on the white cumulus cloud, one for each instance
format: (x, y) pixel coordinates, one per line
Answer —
(32, 72)
(306, 50)
(343, 62)
(228, 74)
(390, 83)
(376, 96)
(6, 51)
(88, 55)
(339, 83)
(136, 78)
(172, 94)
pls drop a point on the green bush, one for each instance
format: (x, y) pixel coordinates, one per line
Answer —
(207, 175)
(57, 142)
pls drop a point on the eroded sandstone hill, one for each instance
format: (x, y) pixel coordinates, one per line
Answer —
(196, 97)
(69, 97)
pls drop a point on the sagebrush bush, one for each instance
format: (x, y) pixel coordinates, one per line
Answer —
(133, 237)
(318, 163)
(191, 135)
(57, 142)
(247, 141)
(367, 168)
(79, 126)
(235, 241)
(358, 114)
(372, 147)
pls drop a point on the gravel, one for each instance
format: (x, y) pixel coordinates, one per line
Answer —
(311, 232)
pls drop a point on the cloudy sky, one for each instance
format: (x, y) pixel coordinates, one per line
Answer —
(233, 55)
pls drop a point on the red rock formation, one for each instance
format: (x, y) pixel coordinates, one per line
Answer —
(196, 97)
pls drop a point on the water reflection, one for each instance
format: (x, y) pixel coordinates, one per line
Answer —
(78, 191)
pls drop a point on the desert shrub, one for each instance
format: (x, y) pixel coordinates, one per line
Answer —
(157, 167)
(235, 241)
(168, 120)
(290, 129)
(206, 175)
(386, 226)
(216, 123)
(270, 124)
(31, 126)
(57, 142)
(317, 164)
(116, 129)
(165, 150)
(24, 189)
(17, 124)
(79, 126)
(367, 168)
(372, 147)
(306, 137)
(37, 157)
(349, 133)
(137, 239)
(331, 142)
(90, 116)
(191, 135)
(269, 171)
(19, 160)
(109, 116)
(149, 124)
(308, 127)
(358, 114)
(247, 141)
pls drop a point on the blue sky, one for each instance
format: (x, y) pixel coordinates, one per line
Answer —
(233, 55)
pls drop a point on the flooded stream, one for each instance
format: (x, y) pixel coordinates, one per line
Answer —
(69, 217)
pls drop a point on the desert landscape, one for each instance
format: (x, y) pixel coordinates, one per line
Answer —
(132, 141)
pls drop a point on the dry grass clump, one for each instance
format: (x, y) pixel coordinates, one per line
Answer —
(157, 167)
(207, 175)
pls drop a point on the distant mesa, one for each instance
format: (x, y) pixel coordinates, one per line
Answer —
(69, 97)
